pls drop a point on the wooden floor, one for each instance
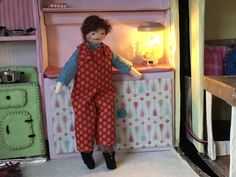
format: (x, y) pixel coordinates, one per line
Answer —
(220, 166)
(223, 161)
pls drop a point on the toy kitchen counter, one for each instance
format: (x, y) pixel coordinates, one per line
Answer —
(143, 108)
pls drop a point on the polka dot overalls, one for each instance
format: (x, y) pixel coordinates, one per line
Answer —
(93, 98)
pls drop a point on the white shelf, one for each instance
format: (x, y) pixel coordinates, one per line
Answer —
(18, 38)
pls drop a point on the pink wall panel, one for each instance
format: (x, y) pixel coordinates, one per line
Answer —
(63, 32)
(16, 14)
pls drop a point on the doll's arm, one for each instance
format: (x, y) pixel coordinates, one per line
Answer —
(125, 66)
(134, 72)
(67, 73)
(121, 64)
(58, 88)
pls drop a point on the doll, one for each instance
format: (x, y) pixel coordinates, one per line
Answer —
(93, 92)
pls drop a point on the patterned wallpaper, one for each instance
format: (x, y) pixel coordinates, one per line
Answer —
(143, 116)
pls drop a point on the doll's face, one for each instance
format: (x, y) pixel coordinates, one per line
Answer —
(96, 37)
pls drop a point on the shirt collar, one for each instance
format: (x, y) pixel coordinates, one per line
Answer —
(93, 46)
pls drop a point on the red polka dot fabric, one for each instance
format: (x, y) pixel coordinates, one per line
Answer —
(93, 98)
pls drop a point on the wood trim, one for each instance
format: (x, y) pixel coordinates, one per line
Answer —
(221, 41)
(114, 17)
(79, 10)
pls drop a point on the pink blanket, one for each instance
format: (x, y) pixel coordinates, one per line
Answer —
(214, 60)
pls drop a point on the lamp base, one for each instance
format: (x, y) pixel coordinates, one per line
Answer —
(151, 62)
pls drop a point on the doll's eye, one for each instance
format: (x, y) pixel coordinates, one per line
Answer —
(92, 33)
(102, 33)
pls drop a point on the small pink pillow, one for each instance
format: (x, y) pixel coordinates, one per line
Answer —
(214, 60)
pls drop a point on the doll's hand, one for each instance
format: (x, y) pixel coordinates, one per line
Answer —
(58, 88)
(135, 73)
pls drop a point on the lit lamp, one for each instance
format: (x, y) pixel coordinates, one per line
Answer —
(151, 41)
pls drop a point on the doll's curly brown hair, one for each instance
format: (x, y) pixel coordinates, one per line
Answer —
(93, 23)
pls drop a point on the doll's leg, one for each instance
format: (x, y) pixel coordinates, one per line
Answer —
(108, 149)
(105, 134)
(110, 159)
(106, 126)
(85, 122)
(88, 159)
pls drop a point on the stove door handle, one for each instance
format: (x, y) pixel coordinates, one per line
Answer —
(7, 129)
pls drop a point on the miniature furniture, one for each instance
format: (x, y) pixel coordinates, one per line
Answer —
(219, 61)
(18, 48)
(144, 108)
(21, 126)
(223, 87)
(144, 114)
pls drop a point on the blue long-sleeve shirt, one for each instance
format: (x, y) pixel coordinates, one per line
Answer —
(70, 68)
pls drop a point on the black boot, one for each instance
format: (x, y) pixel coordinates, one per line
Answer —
(110, 160)
(88, 159)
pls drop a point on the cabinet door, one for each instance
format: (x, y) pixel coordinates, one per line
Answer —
(21, 128)
(144, 113)
(60, 121)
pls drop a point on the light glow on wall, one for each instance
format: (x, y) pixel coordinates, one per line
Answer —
(136, 46)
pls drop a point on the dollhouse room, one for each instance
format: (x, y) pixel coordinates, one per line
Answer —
(213, 132)
(39, 127)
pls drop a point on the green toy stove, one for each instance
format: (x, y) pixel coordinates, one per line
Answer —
(21, 127)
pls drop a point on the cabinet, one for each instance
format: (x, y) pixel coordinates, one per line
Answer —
(144, 115)
(21, 50)
(62, 25)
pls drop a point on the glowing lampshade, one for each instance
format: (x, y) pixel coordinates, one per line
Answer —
(151, 42)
